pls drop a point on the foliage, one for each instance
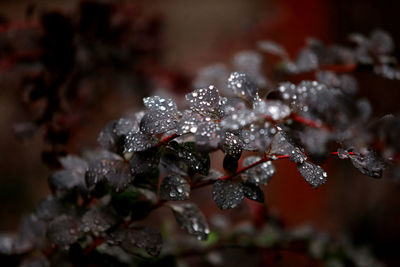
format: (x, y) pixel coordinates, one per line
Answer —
(95, 212)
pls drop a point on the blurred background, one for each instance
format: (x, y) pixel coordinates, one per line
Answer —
(104, 56)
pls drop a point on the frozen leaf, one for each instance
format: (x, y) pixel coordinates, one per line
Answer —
(227, 194)
(253, 192)
(242, 86)
(191, 219)
(204, 100)
(368, 164)
(174, 187)
(313, 174)
(145, 238)
(282, 145)
(232, 145)
(96, 221)
(138, 141)
(273, 109)
(63, 231)
(207, 136)
(260, 174)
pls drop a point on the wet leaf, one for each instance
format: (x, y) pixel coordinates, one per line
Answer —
(191, 219)
(115, 172)
(207, 136)
(63, 231)
(174, 187)
(145, 238)
(138, 141)
(260, 174)
(162, 115)
(282, 145)
(204, 100)
(49, 208)
(242, 86)
(273, 109)
(313, 174)
(227, 194)
(368, 164)
(146, 161)
(253, 192)
(188, 123)
(231, 145)
(97, 221)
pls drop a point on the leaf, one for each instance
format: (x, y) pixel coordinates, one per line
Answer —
(273, 109)
(230, 164)
(33, 230)
(49, 208)
(282, 145)
(243, 86)
(191, 219)
(97, 221)
(124, 201)
(313, 174)
(239, 119)
(207, 136)
(368, 164)
(198, 162)
(273, 48)
(260, 174)
(227, 194)
(115, 172)
(146, 161)
(63, 231)
(161, 117)
(253, 192)
(188, 123)
(306, 61)
(232, 145)
(138, 141)
(204, 101)
(145, 238)
(35, 261)
(174, 187)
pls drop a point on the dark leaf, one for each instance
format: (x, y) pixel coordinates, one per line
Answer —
(188, 123)
(204, 100)
(138, 141)
(230, 164)
(35, 261)
(207, 136)
(146, 161)
(115, 172)
(368, 164)
(63, 231)
(282, 145)
(232, 145)
(243, 86)
(260, 174)
(313, 174)
(253, 192)
(227, 194)
(191, 219)
(97, 220)
(124, 201)
(33, 230)
(145, 238)
(49, 208)
(174, 187)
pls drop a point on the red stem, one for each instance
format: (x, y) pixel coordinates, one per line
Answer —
(167, 139)
(310, 123)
